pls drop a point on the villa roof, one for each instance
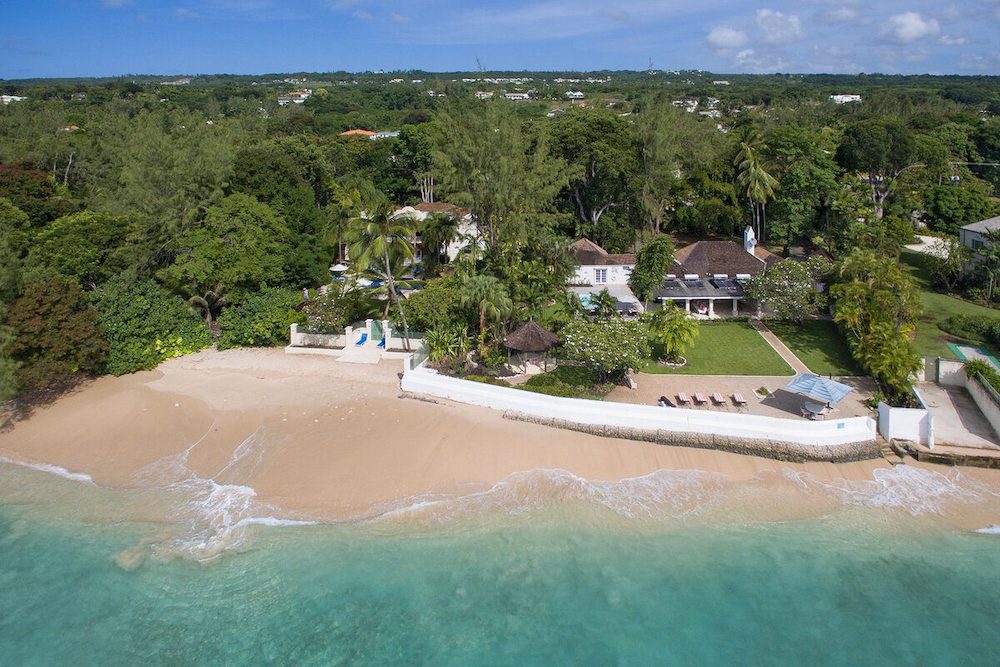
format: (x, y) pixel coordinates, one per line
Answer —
(441, 207)
(588, 253)
(357, 133)
(531, 338)
(729, 257)
(984, 226)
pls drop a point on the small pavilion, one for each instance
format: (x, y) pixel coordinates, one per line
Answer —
(530, 340)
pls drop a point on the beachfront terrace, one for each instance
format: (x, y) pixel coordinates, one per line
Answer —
(777, 403)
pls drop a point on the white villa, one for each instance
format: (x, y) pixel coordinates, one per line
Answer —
(467, 230)
(844, 99)
(599, 268)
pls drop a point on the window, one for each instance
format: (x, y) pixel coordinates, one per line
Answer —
(600, 275)
(977, 244)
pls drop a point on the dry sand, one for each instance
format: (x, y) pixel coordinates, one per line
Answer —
(328, 439)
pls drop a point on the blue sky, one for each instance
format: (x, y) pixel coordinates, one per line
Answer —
(112, 37)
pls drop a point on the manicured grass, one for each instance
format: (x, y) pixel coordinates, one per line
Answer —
(819, 344)
(726, 348)
(568, 381)
(930, 340)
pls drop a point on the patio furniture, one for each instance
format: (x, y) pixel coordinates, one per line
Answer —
(699, 398)
(717, 399)
(381, 343)
(362, 340)
(682, 398)
(739, 400)
(818, 388)
(665, 402)
(807, 414)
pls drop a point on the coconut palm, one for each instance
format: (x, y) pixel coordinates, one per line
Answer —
(673, 330)
(756, 183)
(604, 304)
(490, 297)
(379, 241)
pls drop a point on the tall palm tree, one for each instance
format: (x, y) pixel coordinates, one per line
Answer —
(756, 183)
(490, 297)
(674, 330)
(379, 239)
(437, 231)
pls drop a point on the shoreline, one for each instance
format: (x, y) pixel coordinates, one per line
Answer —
(333, 441)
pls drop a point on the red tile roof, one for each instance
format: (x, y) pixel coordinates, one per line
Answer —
(441, 207)
(728, 257)
(588, 253)
(357, 133)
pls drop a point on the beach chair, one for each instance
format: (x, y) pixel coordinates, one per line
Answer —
(682, 398)
(717, 399)
(740, 402)
(362, 340)
(699, 398)
(381, 343)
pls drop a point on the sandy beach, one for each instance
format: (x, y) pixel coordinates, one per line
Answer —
(329, 440)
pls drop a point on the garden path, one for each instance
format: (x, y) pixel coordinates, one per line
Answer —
(778, 346)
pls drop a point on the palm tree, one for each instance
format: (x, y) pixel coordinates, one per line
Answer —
(436, 232)
(378, 240)
(756, 183)
(674, 330)
(490, 297)
(209, 301)
(604, 304)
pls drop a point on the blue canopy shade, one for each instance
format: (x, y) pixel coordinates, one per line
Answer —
(818, 388)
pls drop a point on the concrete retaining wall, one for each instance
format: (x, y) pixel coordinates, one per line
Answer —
(674, 425)
(302, 339)
(987, 400)
(950, 373)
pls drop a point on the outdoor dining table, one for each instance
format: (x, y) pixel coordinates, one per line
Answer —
(816, 408)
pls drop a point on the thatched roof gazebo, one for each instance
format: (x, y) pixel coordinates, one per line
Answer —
(530, 338)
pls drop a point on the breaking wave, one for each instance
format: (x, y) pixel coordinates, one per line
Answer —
(52, 470)
(914, 490)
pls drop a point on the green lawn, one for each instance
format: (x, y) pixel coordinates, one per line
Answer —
(819, 344)
(726, 348)
(930, 340)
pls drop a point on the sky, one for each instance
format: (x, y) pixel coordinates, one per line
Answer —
(65, 38)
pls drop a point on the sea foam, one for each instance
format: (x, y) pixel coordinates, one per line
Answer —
(52, 470)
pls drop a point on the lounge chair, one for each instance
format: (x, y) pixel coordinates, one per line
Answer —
(381, 343)
(739, 400)
(682, 398)
(699, 398)
(362, 340)
(717, 399)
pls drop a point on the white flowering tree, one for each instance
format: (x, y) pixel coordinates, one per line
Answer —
(610, 347)
(787, 288)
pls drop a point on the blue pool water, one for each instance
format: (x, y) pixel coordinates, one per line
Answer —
(562, 582)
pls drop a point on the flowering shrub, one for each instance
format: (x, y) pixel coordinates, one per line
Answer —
(610, 347)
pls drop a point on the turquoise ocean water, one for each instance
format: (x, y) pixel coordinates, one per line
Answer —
(571, 580)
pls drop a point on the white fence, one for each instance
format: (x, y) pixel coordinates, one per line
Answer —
(301, 339)
(913, 424)
(647, 417)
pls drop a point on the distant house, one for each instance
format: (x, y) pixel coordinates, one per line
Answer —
(484, 94)
(720, 83)
(975, 237)
(7, 99)
(517, 97)
(844, 99)
(689, 103)
(385, 134)
(294, 97)
(368, 134)
(574, 95)
(183, 81)
(599, 268)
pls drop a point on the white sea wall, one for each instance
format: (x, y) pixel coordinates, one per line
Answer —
(644, 417)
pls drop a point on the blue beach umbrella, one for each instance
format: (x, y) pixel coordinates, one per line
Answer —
(818, 388)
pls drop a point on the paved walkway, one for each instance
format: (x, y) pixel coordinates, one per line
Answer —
(779, 347)
(957, 419)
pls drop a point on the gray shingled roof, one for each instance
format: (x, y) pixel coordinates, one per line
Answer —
(984, 226)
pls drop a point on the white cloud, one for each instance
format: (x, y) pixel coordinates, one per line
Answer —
(951, 40)
(722, 37)
(778, 28)
(840, 15)
(399, 18)
(911, 26)
(361, 15)
(760, 62)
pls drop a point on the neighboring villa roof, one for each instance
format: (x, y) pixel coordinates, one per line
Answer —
(588, 253)
(984, 226)
(530, 337)
(712, 257)
(357, 133)
(441, 207)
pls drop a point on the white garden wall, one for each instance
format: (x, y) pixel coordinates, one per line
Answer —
(678, 420)
(913, 424)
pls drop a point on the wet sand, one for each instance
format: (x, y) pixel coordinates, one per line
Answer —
(319, 438)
